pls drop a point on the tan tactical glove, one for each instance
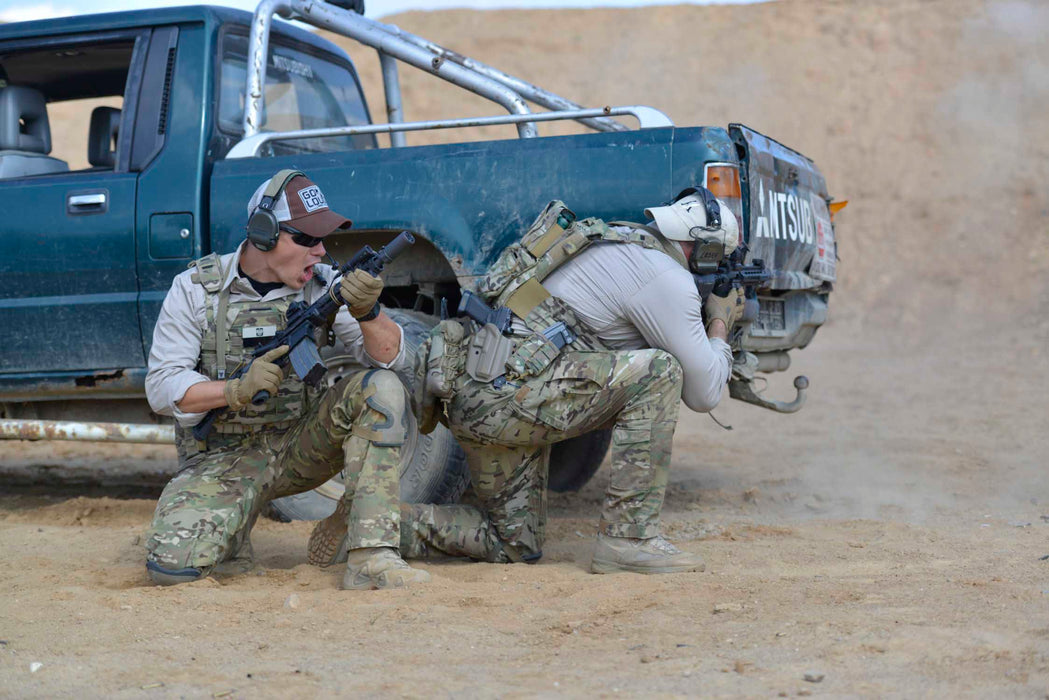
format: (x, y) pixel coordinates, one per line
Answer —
(360, 291)
(728, 308)
(263, 374)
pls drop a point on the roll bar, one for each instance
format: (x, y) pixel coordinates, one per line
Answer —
(648, 118)
(393, 44)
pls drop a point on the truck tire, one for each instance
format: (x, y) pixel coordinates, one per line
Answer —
(434, 467)
(574, 462)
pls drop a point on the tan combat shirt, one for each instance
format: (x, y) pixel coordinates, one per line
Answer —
(635, 298)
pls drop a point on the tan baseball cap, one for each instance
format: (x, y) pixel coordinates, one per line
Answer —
(302, 205)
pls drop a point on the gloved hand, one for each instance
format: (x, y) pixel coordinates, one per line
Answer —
(728, 308)
(360, 291)
(263, 374)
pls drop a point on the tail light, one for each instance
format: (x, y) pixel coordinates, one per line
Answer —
(835, 207)
(722, 179)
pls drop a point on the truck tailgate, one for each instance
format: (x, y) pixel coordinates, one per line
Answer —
(785, 213)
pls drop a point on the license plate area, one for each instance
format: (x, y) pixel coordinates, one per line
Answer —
(771, 317)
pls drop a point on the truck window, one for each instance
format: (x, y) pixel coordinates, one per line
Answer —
(304, 90)
(61, 107)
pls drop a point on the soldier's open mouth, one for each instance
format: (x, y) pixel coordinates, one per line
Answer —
(307, 274)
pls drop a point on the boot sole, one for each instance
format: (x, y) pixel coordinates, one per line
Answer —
(598, 566)
(328, 544)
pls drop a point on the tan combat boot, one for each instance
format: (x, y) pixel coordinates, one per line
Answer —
(327, 545)
(379, 567)
(654, 555)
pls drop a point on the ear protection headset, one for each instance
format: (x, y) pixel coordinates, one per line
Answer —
(707, 252)
(263, 227)
(710, 203)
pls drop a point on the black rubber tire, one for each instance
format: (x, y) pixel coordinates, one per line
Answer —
(574, 462)
(435, 470)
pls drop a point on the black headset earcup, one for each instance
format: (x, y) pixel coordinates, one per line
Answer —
(263, 229)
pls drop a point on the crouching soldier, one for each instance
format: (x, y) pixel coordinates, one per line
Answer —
(607, 328)
(212, 318)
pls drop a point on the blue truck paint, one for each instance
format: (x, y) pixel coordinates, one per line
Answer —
(473, 199)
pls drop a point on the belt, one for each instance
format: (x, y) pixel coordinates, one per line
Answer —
(230, 428)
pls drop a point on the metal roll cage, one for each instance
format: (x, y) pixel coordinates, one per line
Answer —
(394, 44)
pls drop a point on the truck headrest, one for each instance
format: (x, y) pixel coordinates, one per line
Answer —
(105, 127)
(23, 120)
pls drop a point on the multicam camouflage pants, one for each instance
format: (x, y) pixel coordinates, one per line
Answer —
(507, 431)
(206, 513)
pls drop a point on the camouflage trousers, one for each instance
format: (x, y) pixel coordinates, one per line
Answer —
(506, 432)
(206, 512)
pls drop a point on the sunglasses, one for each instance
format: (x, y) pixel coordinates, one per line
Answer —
(303, 239)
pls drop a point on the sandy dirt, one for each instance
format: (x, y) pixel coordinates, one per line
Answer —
(889, 540)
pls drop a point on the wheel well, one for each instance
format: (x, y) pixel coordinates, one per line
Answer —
(419, 279)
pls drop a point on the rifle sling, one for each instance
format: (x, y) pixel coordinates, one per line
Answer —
(221, 324)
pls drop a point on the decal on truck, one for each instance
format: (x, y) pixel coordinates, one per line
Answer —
(783, 215)
(801, 218)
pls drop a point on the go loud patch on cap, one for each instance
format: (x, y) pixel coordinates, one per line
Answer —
(312, 199)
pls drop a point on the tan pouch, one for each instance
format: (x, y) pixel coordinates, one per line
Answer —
(517, 259)
(445, 363)
(548, 227)
(531, 357)
(438, 365)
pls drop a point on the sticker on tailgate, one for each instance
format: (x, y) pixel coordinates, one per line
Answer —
(824, 262)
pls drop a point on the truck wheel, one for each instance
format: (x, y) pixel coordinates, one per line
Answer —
(433, 469)
(573, 462)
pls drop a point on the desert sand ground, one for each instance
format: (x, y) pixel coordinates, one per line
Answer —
(889, 540)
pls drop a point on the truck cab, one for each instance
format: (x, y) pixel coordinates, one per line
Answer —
(115, 203)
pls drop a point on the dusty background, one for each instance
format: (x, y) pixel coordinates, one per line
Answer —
(890, 539)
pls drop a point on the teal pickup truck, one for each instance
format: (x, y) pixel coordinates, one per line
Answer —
(181, 112)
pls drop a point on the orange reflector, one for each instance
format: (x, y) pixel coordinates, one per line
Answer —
(835, 207)
(723, 181)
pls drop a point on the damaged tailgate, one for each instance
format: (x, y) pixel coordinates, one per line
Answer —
(787, 224)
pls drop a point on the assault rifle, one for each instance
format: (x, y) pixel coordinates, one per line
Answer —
(731, 272)
(304, 319)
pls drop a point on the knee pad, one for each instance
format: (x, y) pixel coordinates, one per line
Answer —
(388, 397)
(182, 552)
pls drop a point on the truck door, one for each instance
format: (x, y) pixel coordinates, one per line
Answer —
(68, 285)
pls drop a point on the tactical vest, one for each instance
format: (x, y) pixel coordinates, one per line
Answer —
(556, 236)
(515, 281)
(233, 330)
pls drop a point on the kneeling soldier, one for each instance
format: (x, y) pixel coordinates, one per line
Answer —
(607, 329)
(213, 316)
